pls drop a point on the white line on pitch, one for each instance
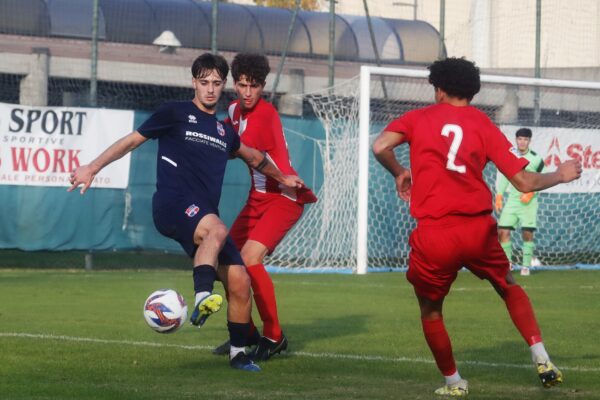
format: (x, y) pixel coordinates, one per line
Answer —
(295, 353)
(483, 288)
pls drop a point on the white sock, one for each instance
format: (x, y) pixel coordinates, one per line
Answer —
(233, 351)
(200, 296)
(538, 352)
(452, 379)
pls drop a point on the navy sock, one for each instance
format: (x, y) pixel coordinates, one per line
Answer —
(238, 333)
(204, 278)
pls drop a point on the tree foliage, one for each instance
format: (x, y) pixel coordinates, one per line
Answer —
(291, 4)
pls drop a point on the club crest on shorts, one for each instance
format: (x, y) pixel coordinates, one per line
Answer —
(192, 210)
(220, 129)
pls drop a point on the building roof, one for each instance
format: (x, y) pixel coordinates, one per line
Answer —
(240, 28)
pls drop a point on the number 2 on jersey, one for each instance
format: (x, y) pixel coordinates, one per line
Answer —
(458, 136)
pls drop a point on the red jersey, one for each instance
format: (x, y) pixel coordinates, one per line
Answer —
(449, 148)
(261, 129)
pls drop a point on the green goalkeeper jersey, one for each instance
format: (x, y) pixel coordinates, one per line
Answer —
(536, 164)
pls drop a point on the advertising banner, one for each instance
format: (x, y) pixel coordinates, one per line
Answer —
(40, 146)
(556, 145)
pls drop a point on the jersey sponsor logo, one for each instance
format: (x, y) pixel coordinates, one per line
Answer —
(192, 119)
(206, 139)
(220, 129)
(192, 210)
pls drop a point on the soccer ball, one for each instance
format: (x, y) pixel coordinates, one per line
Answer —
(165, 311)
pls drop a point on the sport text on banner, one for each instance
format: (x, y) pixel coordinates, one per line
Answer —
(40, 146)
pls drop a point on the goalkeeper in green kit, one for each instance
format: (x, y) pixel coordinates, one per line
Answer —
(520, 208)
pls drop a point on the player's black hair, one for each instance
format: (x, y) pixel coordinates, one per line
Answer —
(255, 67)
(525, 132)
(205, 63)
(457, 77)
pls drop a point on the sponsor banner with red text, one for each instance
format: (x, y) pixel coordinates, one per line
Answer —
(40, 146)
(556, 145)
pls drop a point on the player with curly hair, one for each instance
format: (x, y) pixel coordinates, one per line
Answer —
(450, 144)
(271, 209)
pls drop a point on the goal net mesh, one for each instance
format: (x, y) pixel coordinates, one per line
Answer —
(568, 232)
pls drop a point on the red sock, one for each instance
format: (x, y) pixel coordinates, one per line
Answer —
(264, 297)
(521, 313)
(439, 343)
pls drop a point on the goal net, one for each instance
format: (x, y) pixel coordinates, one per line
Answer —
(360, 223)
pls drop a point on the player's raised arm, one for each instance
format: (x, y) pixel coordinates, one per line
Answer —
(260, 162)
(383, 149)
(526, 181)
(85, 174)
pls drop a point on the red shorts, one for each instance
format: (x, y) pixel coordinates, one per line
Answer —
(266, 218)
(440, 248)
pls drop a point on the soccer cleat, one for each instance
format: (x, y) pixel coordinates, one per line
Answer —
(206, 307)
(524, 271)
(267, 348)
(548, 373)
(458, 389)
(243, 362)
(223, 349)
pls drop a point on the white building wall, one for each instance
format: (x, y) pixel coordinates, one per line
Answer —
(570, 29)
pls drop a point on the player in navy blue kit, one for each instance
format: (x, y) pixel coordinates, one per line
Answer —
(193, 149)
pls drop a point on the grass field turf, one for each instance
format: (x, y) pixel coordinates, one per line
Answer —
(81, 335)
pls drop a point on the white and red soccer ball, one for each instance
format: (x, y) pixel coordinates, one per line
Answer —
(165, 311)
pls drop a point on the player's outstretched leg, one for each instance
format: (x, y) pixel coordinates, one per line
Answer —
(439, 342)
(238, 316)
(238, 359)
(273, 341)
(204, 308)
(521, 312)
(206, 303)
(436, 336)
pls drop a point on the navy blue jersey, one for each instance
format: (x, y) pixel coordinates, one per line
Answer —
(193, 149)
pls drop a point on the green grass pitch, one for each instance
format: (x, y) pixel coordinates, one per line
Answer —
(81, 335)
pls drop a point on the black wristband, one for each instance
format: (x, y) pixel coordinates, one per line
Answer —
(262, 164)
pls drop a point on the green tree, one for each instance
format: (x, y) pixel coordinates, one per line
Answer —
(304, 4)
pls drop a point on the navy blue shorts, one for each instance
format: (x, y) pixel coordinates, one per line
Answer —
(178, 217)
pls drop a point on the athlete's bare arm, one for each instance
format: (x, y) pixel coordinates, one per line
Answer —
(259, 161)
(84, 175)
(383, 149)
(526, 181)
